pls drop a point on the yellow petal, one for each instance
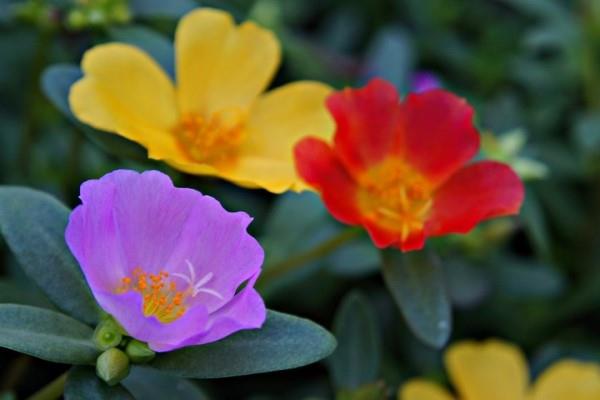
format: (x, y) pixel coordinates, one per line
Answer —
(418, 389)
(277, 121)
(220, 65)
(492, 370)
(568, 380)
(124, 91)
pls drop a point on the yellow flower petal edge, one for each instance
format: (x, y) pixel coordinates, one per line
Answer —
(221, 65)
(568, 380)
(278, 120)
(125, 91)
(215, 121)
(418, 389)
(496, 370)
(492, 370)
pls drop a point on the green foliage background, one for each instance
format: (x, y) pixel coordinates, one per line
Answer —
(532, 65)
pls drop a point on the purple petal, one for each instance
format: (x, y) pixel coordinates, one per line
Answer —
(159, 336)
(245, 311)
(216, 242)
(424, 81)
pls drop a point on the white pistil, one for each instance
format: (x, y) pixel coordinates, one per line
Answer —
(197, 287)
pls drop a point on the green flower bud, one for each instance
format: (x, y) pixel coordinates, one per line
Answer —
(139, 352)
(96, 17)
(108, 334)
(120, 13)
(76, 19)
(112, 366)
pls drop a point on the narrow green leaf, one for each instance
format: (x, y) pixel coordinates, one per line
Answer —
(46, 334)
(391, 56)
(358, 258)
(33, 224)
(82, 383)
(467, 284)
(535, 224)
(56, 84)
(416, 283)
(284, 342)
(357, 358)
(13, 291)
(372, 391)
(161, 8)
(150, 384)
(526, 279)
(156, 45)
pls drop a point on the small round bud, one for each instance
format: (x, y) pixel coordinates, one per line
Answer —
(108, 334)
(76, 19)
(112, 366)
(139, 352)
(121, 14)
(96, 17)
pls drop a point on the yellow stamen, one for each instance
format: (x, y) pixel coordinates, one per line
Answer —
(212, 139)
(395, 196)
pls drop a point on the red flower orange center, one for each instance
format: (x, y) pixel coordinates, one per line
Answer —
(395, 196)
(213, 139)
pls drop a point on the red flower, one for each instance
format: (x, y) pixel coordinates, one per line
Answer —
(399, 168)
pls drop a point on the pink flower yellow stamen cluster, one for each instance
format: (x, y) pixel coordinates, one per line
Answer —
(170, 265)
(160, 295)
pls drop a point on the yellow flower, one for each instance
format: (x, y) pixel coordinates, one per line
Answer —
(495, 370)
(216, 120)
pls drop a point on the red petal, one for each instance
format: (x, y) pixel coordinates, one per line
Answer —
(318, 165)
(367, 121)
(382, 238)
(476, 192)
(439, 133)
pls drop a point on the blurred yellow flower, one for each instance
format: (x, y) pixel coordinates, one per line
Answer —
(495, 370)
(216, 120)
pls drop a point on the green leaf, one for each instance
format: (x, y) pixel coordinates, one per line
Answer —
(372, 391)
(46, 334)
(33, 225)
(416, 283)
(82, 383)
(156, 45)
(535, 224)
(391, 56)
(161, 8)
(13, 291)
(527, 279)
(356, 259)
(357, 358)
(284, 342)
(150, 384)
(467, 284)
(298, 223)
(56, 84)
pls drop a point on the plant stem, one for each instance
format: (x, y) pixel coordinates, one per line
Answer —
(51, 391)
(272, 272)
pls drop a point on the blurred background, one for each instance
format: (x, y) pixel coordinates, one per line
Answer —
(531, 68)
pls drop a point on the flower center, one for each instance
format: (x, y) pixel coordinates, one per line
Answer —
(212, 139)
(161, 296)
(396, 196)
